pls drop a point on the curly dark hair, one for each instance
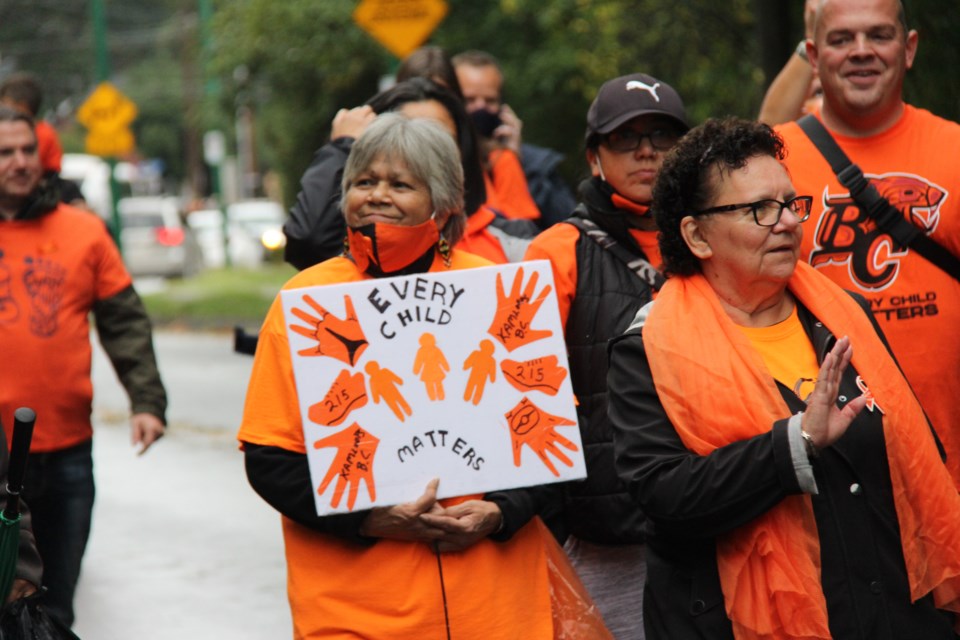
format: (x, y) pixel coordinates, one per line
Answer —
(686, 182)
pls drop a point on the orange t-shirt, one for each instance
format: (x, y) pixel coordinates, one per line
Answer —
(48, 146)
(52, 270)
(507, 189)
(916, 304)
(391, 589)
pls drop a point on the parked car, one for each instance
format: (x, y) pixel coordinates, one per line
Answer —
(263, 219)
(154, 239)
(245, 250)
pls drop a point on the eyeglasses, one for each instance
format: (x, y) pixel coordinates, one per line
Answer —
(767, 212)
(623, 140)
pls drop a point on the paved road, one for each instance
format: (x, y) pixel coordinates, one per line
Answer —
(181, 546)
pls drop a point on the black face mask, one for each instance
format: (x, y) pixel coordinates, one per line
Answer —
(485, 122)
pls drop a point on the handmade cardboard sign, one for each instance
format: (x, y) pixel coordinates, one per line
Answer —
(460, 376)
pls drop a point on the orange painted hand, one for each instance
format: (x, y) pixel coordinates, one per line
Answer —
(539, 374)
(534, 427)
(347, 393)
(515, 313)
(342, 339)
(352, 465)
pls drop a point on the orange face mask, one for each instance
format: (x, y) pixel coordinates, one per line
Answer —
(386, 249)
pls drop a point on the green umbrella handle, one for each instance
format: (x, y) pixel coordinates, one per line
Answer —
(23, 420)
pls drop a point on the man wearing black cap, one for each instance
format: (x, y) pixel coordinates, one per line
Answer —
(605, 259)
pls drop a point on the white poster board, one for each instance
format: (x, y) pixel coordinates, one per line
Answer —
(460, 376)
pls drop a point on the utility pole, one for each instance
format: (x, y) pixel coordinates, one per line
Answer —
(102, 73)
(214, 145)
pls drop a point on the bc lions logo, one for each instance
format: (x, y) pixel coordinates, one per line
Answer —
(846, 235)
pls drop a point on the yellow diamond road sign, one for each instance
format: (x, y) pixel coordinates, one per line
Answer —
(107, 115)
(400, 25)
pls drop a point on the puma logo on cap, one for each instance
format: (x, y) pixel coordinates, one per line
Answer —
(642, 86)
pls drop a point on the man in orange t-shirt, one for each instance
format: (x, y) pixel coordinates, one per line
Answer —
(862, 50)
(57, 265)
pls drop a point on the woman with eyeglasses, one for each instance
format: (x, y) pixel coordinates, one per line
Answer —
(605, 261)
(792, 485)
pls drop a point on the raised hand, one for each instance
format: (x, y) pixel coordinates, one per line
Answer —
(348, 392)
(338, 338)
(532, 426)
(352, 464)
(822, 420)
(515, 313)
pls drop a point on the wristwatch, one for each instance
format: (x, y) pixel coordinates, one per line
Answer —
(812, 451)
(801, 50)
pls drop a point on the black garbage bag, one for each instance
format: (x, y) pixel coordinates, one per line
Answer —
(26, 619)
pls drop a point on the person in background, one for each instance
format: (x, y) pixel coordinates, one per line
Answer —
(22, 92)
(792, 484)
(862, 50)
(433, 63)
(796, 90)
(315, 231)
(481, 80)
(390, 572)
(57, 265)
(631, 125)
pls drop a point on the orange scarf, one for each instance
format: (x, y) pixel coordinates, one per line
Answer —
(705, 369)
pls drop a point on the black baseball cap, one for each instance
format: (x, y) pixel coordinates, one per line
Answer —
(627, 97)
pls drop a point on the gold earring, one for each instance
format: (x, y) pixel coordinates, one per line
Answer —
(444, 248)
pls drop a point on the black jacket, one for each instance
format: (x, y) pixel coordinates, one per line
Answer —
(689, 500)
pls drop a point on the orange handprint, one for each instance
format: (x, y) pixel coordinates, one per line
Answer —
(515, 313)
(539, 374)
(532, 426)
(347, 393)
(336, 338)
(352, 465)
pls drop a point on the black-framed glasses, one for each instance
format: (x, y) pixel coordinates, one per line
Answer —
(766, 213)
(623, 140)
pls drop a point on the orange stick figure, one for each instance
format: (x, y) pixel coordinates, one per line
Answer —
(383, 384)
(515, 312)
(431, 365)
(482, 366)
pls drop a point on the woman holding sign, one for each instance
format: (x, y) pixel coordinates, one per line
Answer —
(786, 495)
(422, 569)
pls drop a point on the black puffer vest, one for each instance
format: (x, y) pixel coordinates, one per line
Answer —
(608, 296)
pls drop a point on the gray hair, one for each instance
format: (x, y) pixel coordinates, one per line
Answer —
(428, 152)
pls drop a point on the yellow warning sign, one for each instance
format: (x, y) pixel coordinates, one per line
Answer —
(107, 115)
(400, 25)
